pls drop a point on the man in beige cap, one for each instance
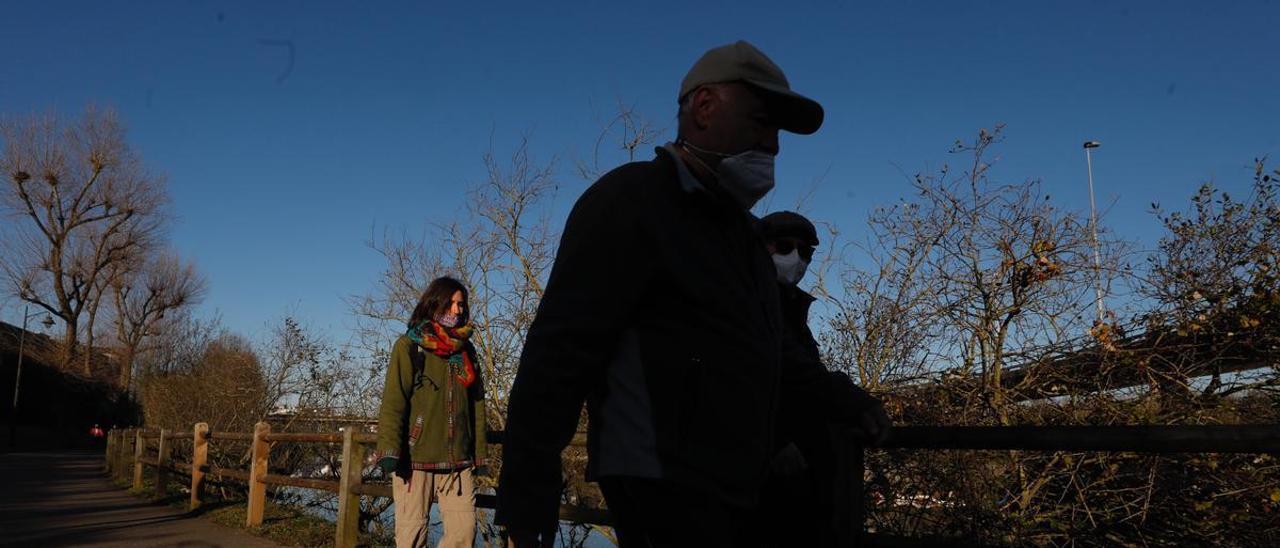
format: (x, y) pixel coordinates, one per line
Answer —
(662, 314)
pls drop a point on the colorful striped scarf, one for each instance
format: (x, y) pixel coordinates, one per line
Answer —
(449, 343)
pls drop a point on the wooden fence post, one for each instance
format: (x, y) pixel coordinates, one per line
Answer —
(106, 458)
(348, 499)
(849, 515)
(116, 453)
(199, 457)
(258, 470)
(857, 490)
(123, 450)
(162, 464)
(113, 454)
(139, 449)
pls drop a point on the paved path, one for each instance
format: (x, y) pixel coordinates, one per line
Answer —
(64, 499)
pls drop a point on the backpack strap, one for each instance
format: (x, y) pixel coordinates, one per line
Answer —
(418, 358)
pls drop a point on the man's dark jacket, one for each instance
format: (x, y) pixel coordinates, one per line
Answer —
(678, 275)
(798, 419)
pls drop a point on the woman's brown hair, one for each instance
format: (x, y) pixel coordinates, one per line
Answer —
(436, 300)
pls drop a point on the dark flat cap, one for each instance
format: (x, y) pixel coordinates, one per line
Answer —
(788, 224)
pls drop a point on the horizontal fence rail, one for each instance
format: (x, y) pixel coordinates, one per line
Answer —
(1133, 439)
(131, 450)
(134, 449)
(1122, 439)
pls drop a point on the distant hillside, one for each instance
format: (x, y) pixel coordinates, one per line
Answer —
(55, 409)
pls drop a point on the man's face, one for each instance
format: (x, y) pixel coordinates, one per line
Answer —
(736, 120)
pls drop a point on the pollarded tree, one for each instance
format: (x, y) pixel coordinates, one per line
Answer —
(82, 201)
(142, 294)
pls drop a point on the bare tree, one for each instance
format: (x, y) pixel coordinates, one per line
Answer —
(142, 294)
(224, 386)
(882, 327)
(97, 296)
(220, 383)
(970, 276)
(85, 202)
(176, 343)
(313, 377)
(978, 310)
(970, 279)
(1214, 285)
(501, 250)
(629, 130)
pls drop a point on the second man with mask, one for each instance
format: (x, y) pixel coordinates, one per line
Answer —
(798, 494)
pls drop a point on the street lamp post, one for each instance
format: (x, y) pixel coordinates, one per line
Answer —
(1093, 227)
(17, 379)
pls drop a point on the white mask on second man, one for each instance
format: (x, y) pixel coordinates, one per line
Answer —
(790, 267)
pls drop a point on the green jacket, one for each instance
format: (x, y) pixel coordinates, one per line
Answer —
(428, 414)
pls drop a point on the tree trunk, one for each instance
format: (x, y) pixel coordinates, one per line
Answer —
(88, 341)
(88, 354)
(69, 344)
(126, 367)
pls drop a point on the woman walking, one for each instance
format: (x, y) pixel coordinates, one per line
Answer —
(432, 421)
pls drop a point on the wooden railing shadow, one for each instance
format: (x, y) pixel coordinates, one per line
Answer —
(129, 452)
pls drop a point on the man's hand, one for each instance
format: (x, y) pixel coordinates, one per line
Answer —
(872, 426)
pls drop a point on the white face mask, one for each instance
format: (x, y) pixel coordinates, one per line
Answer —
(790, 267)
(746, 176)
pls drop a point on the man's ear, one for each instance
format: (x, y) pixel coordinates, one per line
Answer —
(704, 103)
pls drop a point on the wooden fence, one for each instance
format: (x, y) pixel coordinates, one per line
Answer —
(128, 452)
(1131, 439)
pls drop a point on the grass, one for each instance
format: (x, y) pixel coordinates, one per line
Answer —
(281, 524)
(284, 525)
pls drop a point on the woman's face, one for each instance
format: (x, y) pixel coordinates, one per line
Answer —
(456, 304)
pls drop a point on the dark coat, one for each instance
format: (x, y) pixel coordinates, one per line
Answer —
(837, 399)
(681, 274)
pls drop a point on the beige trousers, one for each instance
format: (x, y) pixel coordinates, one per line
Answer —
(457, 496)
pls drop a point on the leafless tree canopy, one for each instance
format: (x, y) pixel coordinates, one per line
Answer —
(221, 383)
(80, 202)
(142, 294)
(978, 311)
(969, 276)
(501, 249)
(629, 131)
(1215, 281)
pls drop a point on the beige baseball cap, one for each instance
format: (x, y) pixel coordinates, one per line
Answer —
(743, 62)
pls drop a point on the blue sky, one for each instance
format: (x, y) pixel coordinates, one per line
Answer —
(279, 167)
